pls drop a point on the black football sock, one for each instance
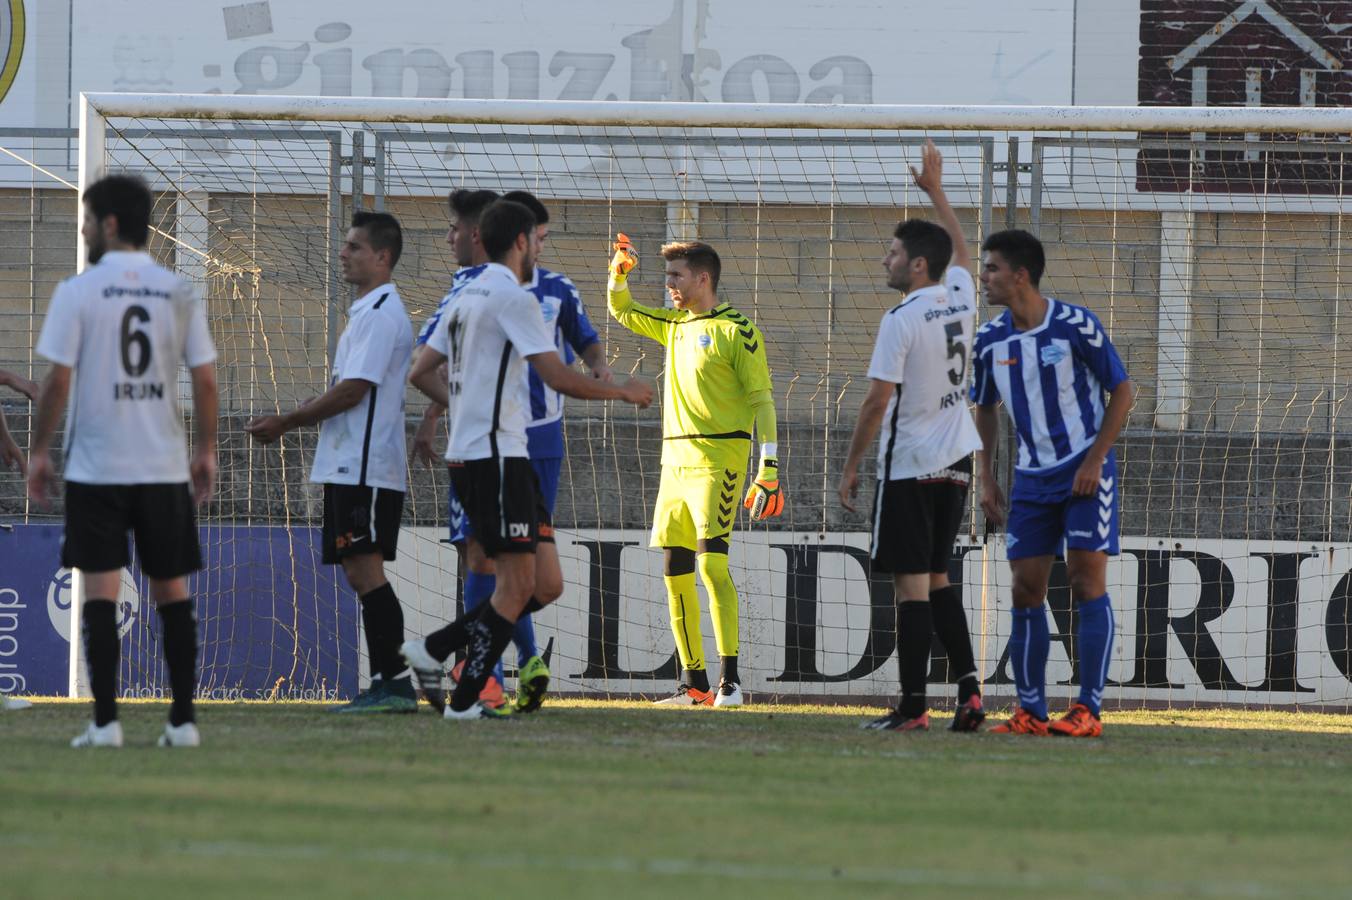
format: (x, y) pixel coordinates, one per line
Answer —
(915, 633)
(696, 678)
(488, 637)
(102, 650)
(950, 624)
(445, 641)
(727, 670)
(532, 606)
(384, 620)
(179, 628)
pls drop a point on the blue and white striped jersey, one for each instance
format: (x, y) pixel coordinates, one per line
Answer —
(458, 280)
(566, 317)
(561, 305)
(1052, 379)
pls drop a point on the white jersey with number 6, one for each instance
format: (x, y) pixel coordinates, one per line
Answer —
(126, 325)
(924, 347)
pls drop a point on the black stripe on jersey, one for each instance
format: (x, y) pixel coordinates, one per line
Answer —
(381, 300)
(366, 438)
(745, 435)
(497, 398)
(649, 315)
(892, 438)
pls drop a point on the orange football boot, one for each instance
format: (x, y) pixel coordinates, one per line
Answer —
(1079, 721)
(1022, 722)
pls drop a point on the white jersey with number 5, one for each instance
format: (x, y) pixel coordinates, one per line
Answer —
(925, 348)
(126, 325)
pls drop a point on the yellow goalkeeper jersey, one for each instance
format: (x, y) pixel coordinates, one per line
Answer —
(715, 365)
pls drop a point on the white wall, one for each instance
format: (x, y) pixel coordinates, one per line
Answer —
(902, 51)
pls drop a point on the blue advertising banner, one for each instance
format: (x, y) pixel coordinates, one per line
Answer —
(275, 622)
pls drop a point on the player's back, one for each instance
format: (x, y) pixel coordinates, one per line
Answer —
(126, 325)
(925, 347)
(490, 328)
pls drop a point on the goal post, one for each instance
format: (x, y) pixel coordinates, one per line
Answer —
(1210, 241)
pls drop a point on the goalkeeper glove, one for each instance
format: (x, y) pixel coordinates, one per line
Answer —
(765, 499)
(624, 260)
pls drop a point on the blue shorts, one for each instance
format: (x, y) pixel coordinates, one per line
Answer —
(1046, 519)
(546, 470)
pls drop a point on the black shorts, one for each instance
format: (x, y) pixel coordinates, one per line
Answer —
(360, 520)
(916, 520)
(160, 516)
(502, 499)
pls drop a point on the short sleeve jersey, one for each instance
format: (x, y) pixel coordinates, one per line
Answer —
(364, 445)
(716, 364)
(461, 278)
(125, 326)
(566, 318)
(486, 334)
(1051, 378)
(924, 346)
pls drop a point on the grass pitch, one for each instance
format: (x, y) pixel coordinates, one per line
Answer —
(606, 799)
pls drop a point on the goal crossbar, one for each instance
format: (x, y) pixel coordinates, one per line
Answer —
(714, 115)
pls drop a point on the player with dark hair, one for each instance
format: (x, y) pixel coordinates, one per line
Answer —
(1050, 362)
(717, 388)
(360, 456)
(575, 337)
(916, 407)
(122, 328)
(463, 238)
(486, 336)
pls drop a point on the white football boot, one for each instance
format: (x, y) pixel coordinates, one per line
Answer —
(109, 735)
(475, 713)
(729, 694)
(185, 735)
(428, 672)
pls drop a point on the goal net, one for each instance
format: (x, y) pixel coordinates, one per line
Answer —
(1209, 241)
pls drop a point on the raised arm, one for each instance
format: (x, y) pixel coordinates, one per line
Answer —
(930, 180)
(646, 321)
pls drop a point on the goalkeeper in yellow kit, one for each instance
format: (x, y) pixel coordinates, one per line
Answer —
(717, 387)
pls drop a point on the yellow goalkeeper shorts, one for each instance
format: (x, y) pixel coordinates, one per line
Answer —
(695, 505)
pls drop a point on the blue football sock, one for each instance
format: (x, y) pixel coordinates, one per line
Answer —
(1095, 636)
(479, 589)
(524, 638)
(1029, 643)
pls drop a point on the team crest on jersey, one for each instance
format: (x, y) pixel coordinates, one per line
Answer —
(705, 341)
(1052, 354)
(549, 311)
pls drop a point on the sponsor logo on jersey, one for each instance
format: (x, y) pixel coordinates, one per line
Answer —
(1080, 534)
(1052, 354)
(1012, 361)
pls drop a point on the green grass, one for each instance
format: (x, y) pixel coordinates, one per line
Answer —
(591, 799)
